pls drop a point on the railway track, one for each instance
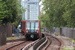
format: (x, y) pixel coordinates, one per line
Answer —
(53, 43)
(49, 42)
(12, 43)
(22, 46)
(19, 46)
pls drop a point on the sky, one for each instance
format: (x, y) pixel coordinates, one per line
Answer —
(22, 3)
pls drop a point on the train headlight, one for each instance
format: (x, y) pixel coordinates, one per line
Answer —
(32, 36)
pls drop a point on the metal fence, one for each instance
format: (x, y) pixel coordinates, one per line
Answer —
(69, 32)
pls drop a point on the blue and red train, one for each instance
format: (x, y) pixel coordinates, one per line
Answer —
(31, 28)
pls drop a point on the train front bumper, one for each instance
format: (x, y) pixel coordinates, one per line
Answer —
(32, 35)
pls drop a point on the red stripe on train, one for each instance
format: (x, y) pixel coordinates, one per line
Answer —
(25, 28)
(39, 28)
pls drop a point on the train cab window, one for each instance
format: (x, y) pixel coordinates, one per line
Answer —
(32, 25)
(28, 26)
(36, 25)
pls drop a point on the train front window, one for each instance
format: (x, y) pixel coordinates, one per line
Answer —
(28, 25)
(36, 25)
(32, 25)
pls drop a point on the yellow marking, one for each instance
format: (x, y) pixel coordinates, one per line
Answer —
(73, 40)
(13, 23)
(12, 37)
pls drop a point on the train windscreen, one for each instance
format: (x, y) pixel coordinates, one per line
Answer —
(32, 25)
(37, 26)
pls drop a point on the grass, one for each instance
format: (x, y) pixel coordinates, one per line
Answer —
(10, 38)
(68, 48)
(58, 33)
(70, 39)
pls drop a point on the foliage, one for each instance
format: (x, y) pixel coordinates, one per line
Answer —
(18, 20)
(10, 11)
(59, 33)
(2, 8)
(69, 14)
(58, 13)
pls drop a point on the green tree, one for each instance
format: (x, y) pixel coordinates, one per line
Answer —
(19, 17)
(58, 13)
(18, 20)
(11, 10)
(69, 14)
(2, 10)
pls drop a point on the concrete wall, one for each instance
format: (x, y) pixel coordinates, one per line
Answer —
(57, 30)
(74, 33)
(69, 32)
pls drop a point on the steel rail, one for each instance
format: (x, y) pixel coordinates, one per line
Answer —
(48, 44)
(15, 45)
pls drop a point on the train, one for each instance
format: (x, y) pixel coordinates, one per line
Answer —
(31, 29)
